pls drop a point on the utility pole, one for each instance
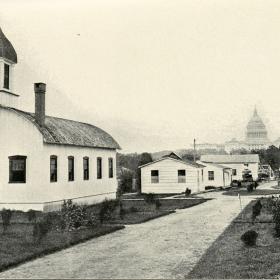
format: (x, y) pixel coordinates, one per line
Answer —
(194, 152)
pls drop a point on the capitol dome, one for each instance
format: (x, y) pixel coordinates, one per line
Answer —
(256, 133)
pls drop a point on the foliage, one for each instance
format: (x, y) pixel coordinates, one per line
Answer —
(249, 238)
(6, 215)
(107, 209)
(126, 179)
(157, 204)
(73, 215)
(31, 215)
(121, 211)
(210, 188)
(187, 192)
(43, 227)
(149, 198)
(276, 216)
(132, 209)
(250, 187)
(256, 210)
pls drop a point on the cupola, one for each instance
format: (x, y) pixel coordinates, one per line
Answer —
(8, 59)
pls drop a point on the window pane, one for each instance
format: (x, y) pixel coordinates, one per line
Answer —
(6, 76)
(86, 168)
(99, 168)
(53, 169)
(71, 169)
(182, 176)
(17, 169)
(111, 169)
(154, 176)
(210, 175)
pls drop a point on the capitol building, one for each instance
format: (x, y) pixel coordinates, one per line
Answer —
(255, 138)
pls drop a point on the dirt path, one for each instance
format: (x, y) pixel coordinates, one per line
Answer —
(167, 247)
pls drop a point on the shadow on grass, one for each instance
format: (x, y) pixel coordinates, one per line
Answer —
(244, 192)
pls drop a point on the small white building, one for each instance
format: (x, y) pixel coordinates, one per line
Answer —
(238, 163)
(171, 174)
(44, 159)
(216, 175)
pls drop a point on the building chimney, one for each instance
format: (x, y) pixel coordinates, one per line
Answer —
(40, 91)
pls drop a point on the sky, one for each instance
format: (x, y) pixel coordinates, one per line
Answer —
(153, 73)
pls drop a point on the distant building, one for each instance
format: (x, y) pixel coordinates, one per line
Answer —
(256, 138)
(238, 163)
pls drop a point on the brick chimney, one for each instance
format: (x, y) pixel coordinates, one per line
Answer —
(40, 92)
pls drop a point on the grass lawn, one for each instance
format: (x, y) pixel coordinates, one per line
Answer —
(17, 245)
(141, 196)
(244, 192)
(229, 258)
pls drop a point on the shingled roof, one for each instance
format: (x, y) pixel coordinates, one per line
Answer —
(67, 132)
(7, 50)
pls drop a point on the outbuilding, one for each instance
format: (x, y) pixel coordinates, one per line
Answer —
(171, 174)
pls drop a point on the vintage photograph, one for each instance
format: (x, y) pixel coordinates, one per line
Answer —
(139, 139)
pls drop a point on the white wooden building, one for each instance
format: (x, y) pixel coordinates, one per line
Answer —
(44, 159)
(171, 174)
(216, 175)
(238, 163)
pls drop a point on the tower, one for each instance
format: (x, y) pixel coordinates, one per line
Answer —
(256, 133)
(8, 59)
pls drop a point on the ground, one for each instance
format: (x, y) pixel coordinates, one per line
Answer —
(167, 247)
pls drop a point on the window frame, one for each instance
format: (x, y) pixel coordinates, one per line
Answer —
(110, 167)
(6, 78)
(53, 157)
(154, 178)
(17, 157)
(99, 167)
(211, 178)
(86, 171)
(71, 178)
(181, 178)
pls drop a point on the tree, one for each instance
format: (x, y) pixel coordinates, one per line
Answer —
(144, 159)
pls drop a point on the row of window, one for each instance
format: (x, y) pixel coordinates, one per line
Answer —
(17, 168)
(181, 173)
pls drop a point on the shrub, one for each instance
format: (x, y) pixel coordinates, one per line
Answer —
(187, 192)
(210, 188)
(73, 215)
(250, 187)
(6, 215)
(41, 228)
(249, 238)
(31, 215)
(122, 211)
(125, 182)
(276, 217)
(256, 210)
(107, 209)
(132, 209)
(92, 221)
(150, 198)
(157, 204)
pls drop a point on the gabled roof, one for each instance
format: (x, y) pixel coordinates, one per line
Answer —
(248, 158)
(67, 132)
(173, 155)
(193, 164)
(7, 50)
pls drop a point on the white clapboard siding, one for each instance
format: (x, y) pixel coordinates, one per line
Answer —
(168, 177)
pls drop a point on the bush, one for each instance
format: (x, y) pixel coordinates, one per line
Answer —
(41, 228)
(107, 209)
(122, 211)
(276, 217)
(31, 215)
(73, 215)
(125, 183)
(210, 188)
(150, 198)
(187, 192)
(256, 210)
(249, 238)
(158, 204)
(6, 215)
(250, 187)
(132, 209)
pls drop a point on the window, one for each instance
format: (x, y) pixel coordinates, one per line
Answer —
(6, 76)
(70, 168)
(246, 164)
(99, 168)
(234, 172)
(86, 168)
(154, 176)
(17, 169)
(211, 175)
(53, 168)
(111, 169)
(182, 176)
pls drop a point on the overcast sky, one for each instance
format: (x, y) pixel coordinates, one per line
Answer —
(153, 73)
